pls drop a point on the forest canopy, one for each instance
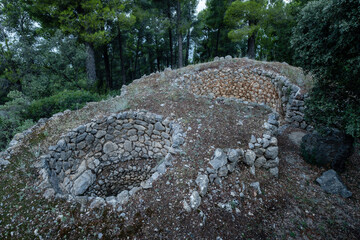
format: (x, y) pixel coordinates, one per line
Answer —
(57, 52)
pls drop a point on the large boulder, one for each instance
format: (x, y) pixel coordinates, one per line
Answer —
(330, 182)
(329, 150)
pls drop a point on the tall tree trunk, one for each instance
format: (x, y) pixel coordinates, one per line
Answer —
(109, 82)
(251, 43)
(157, 53)
(178, 12)
(217, 42)
(187, 47)
(170, 35)
(137, 54)
(121, 52)
(90, 65)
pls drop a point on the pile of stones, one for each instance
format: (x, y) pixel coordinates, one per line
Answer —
(110, 157)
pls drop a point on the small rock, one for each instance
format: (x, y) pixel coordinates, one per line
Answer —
(250, 157)
(256, 186)
(223, 171)
(109, 147)
(252, 170)
(219, 159)
(260, 162)
(186, 206)
(195, 200)
(274, 172)
(233, 155)
(271, 152)
(123, 197)
(203, 182)
(330, 182)
(253, 139)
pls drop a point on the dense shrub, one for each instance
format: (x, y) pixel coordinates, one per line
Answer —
(72, 100)
(326, 41)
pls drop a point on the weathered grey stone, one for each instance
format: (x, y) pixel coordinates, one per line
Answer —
(223, 171)
(274, 172)
(266, 143)
(123, 197)
(195, 200)
(177, 140)
(253, 139)
(89, 139)
(233, 155)
(81, 137)
(81, 129)
(273, 141)
(272, 163)
(330, 182)
(128, 146)
(271, 152)
(219, 159)
(97, 202)
(260, 161)
(100, 134)
(109, 147)
(250, 157)
(212, 177)
(186, 206)
(159, 127)
(82, 183)
(256, 186)
(203, 182)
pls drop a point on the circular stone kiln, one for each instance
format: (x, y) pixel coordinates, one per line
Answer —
(110, 155)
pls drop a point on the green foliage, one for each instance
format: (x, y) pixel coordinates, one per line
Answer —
(72, 100)
(11, 120)
(326, 42)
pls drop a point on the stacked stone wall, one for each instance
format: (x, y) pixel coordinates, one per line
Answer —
(112, 154)
(251, 85)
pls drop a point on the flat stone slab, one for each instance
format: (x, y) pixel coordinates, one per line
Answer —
(330, 182)
(295, 137)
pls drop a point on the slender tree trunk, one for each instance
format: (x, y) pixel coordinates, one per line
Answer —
(137, 54)
(157, 54)
(90, 65)
(122, 65)
(178, 11)
(109, 82)
(217, 42)
(187, 47)
(170, 35)
(251, 43)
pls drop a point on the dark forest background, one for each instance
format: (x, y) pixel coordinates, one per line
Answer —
(60, 54)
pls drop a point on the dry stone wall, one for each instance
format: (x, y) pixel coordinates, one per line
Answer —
(110, 157)
(250, 84)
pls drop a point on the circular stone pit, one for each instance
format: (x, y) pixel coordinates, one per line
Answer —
(112, 155)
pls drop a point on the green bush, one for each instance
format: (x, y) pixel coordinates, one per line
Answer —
(326, 42)
(59, 102)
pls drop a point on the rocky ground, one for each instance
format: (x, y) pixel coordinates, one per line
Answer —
(241, 206)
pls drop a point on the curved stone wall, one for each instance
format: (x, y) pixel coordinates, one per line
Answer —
(114, 154)
(251, 85)
(240, 83)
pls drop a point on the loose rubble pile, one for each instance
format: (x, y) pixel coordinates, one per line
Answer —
(111, 157)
